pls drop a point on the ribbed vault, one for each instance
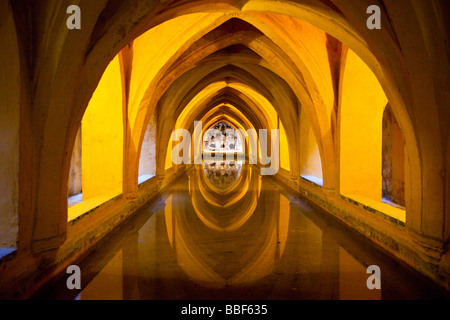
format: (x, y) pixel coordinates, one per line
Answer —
(258, 64)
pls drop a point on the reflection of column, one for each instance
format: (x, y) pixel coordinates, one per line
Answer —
(160, 261)
(277, 213)
(130, 267)
(283, 223)
(329, 275)
(155, 272)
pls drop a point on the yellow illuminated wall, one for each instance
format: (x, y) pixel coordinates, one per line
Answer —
(284, 149)
(362, 105)
(169, 155)
(102, 136)
(156, 46)
(310, 161)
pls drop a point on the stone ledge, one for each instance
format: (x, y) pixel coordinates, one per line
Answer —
(379, 228)
(7, 254)
(86, 207)
(386, 211)
(23, 274)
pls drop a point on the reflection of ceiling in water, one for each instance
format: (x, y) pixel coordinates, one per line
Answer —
(246, 208)
(224, 210)
(222, 175)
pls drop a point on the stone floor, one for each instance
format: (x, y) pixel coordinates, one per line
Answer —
(255, 240)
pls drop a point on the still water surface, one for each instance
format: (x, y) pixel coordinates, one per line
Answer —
(222, 231)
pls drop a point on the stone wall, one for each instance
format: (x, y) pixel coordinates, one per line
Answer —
(393, 158)
(9, 131)
(75, 185)
(387, 153)
(147, 162)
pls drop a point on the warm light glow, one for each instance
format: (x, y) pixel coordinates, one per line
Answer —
(169, 155)
(362, 105)
(102, 136)
(105, 134)
(310, 161)
(284, 149)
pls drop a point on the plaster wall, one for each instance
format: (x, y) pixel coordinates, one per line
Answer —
(284, 149)
(398, 166)
(168, 164)
(102, 138)
(393, 166)
(361, 112)
(387, 154)
(310, 161)
(147, 162)
(9, 130)
(75, 177)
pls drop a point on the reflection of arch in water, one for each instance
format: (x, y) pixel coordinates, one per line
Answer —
(222, 175)
(226, 196)
(201, 259)
(224, 212)
(235, 193)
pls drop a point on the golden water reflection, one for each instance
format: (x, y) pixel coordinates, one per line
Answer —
(255, 241)
(222, 175)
